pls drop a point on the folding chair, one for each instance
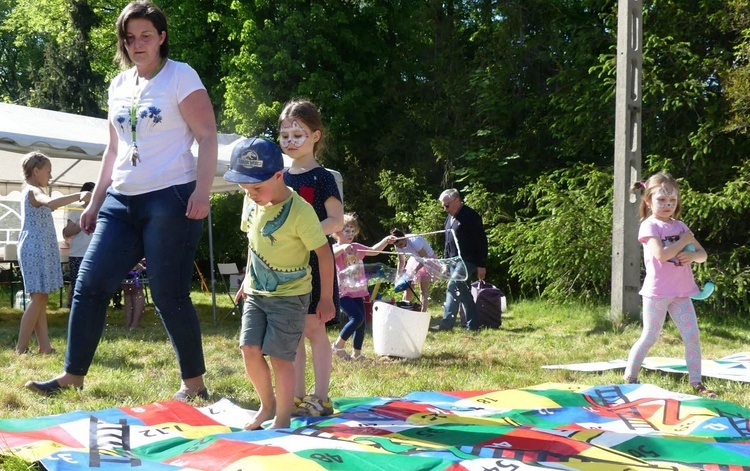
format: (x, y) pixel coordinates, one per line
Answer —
(226, 270)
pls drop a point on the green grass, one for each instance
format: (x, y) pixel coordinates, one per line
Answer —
(134, 367)
(138, 366)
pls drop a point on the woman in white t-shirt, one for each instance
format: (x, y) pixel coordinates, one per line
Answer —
(150, 200)
(413, 268)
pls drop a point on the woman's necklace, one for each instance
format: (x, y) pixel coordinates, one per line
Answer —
(135, 156)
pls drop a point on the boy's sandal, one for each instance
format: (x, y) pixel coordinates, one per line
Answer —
(313, 406)
(701, 390)
(297, 409)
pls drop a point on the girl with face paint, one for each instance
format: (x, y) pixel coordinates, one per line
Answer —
(301, 137)
(669, 281)
(352, 285)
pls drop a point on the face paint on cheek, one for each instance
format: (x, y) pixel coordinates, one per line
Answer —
(349, 232)
(295, 135)
(662, 204)
(292, 142)
(668, 198)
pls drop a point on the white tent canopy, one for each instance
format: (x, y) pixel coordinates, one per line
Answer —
(76, 144)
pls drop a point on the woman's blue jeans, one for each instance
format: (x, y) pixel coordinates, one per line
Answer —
(128, 228)
(355, 311)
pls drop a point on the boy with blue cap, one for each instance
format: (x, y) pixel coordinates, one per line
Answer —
(282, 229)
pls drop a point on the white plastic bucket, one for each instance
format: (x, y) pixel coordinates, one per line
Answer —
(398, 332)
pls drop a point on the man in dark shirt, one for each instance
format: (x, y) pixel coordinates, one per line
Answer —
(464, 237)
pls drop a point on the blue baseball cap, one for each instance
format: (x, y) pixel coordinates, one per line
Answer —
(254, 160)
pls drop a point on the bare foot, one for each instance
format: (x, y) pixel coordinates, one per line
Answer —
(260, 417)
(278, 424)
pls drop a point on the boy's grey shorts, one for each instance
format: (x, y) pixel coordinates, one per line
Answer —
(274, 323)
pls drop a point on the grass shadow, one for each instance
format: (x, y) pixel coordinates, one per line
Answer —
(735, 334)
(527, 329)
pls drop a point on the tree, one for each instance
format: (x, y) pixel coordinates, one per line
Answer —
(18, 58)
(511, 102)
(75, 43)
(65, 81)
(202, 35)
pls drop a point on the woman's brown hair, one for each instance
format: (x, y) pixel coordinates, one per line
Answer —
(145, 10)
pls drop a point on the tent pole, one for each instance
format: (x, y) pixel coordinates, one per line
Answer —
(211, 261)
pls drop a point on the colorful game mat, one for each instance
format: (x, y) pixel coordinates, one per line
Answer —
(550, 426)
(735, 367)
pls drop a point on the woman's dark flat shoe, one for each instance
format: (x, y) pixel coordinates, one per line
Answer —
(48, 388)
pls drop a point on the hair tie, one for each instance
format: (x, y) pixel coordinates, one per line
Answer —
(641, 185)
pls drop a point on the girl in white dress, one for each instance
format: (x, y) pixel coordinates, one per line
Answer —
(38, 252)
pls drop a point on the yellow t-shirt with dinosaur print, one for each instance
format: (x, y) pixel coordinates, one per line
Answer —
(280, 238)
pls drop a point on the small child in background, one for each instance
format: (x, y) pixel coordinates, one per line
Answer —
(282, 229)
(415, 246)
(352, 285)
(38, 252)
(133, 298)
(78, 241)
(669, 282)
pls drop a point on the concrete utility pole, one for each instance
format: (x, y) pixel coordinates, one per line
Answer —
(625, 301)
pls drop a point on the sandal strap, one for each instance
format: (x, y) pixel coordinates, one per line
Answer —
(701, 389)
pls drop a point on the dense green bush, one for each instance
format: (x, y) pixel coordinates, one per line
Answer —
(560, 243)
(720, 220)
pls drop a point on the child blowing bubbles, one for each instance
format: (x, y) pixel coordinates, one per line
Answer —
(352, 285)
(282, 229)
(38, 253)
(669, 279)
